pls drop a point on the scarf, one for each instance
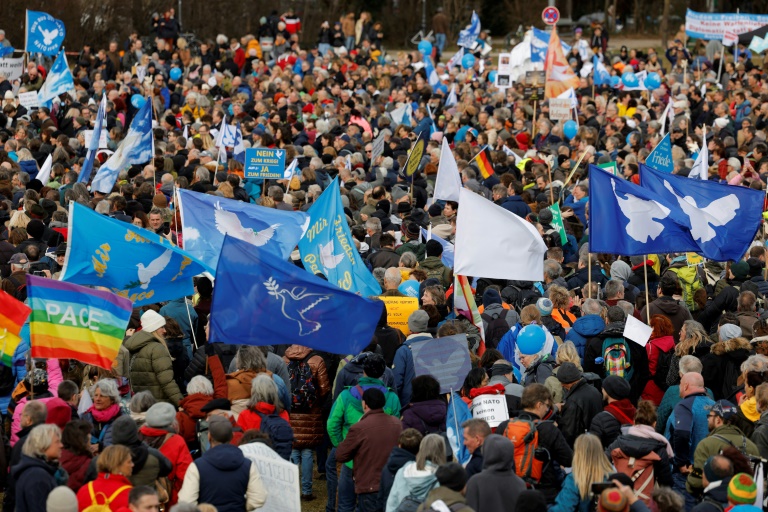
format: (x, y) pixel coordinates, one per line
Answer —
(105, 415)
(648, 432)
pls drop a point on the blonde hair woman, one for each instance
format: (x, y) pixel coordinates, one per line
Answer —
(115, 466)
(693, 341)
(566, 353)
(590, 465)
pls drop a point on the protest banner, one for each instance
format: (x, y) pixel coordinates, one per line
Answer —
(560, 109)
(29, 100)
(706, 25)
(446, 359)
(398, 311)
(88, 135)
(279, 476)
(12, 68)
(264, 163)
(491, 408)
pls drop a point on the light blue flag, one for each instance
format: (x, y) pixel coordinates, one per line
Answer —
(44, 33)
(432, 77)
(238, 149)
(231, 136)
(601, 75)
(468, 35)
(630, 220)
(327, 246)
(58, 81)
(540, 43)
(5, 51)
(132, 262)
(452, 98)
(136, 148)
(85, 172)
(448, 250)
(402, 115)
(661, 156)
(722, 219)
(206, 219)
(259, 298)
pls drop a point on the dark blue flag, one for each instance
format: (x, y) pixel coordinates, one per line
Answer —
(258, 299)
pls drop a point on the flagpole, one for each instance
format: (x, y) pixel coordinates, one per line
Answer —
(533, 128)
(589, 274)
(154, 117)
(551, 191)
(647, 300)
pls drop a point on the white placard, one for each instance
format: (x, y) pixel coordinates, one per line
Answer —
(12, 68)
(491, 408)
(560, 109)
(637, 331)
(279, 477)
(141, 71)
(730, 38)
(29, 100)
(88, 135)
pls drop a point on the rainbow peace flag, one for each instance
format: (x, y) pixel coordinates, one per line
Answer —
(13, 314)
(74, 322)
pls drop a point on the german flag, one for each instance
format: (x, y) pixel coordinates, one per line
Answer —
(483, 162)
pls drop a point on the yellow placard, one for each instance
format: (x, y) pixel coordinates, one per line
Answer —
(398, 311)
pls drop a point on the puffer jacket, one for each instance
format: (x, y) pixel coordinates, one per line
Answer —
(428, 417)
(308, 428)
(190, 405)
(607, 424)
(722, 367)
(152, 368)
(584, 328)
(582, 403)
(654, 348)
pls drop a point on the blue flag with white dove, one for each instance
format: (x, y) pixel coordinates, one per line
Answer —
(58, 81)
(432, 77)
(601, 75)
(207, 219)
(540, 44)
(135, 149)
(230, 136)
(327, 246)
(130, 261)
(402, 115)
(44, 33)
(259, 298)
(85, 171)
(468, 36)
(722, 219)
(661, 156)
(630, 220)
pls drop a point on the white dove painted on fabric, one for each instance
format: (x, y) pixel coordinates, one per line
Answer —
(718, 213)
(296, 303)
(229, 224)
(158, 265)
(48, 35)
(327, 258)
(642, 215)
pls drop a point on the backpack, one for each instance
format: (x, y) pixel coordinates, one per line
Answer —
(409, 504)
(20, 292)
(95, 506)
(640, 470)
(442, 274)
(280, 433)
(663, 365)
(304, 391)
(497, 328)
(689, 282)
(525, 438)
(519, 297)
(616, 358)
(742, 448)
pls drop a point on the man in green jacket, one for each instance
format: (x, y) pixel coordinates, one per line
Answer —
(346, 411)
(722, 434)
(151, 366)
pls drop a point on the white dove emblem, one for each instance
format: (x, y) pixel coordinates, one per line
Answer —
(296, 303)
(229, 224)
(641, 214)
(327, 258)
(719, 213)
(158, 265)
(48, 35)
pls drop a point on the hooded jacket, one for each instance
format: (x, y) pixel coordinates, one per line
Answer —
(497, 487)
(654, 348)
(717, 494)
(672, 309)
(152, 368)
(398, 458)
(722, 367)
(638, 447)
(352, 372)
(410, 481)
(451, 498)
(427, 417)
(582, 403)
(34, 481)
(403, 368)
(175, 450)
(388, 338)
(581, 277)
(585, 328)
(308, 427)
(607, 424)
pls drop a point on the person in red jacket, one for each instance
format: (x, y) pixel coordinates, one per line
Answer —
(661, 342)
(111, 486)
(158, 433)
(200, 393)
(238, 54)
(264, 401)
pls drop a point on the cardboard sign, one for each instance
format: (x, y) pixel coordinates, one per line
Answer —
(266, 163)
(279, 476)
(88, 135)
(730, 38)
(560, 109)
(12, 68)
(534, 85)
(637, 331)
(491, 408)
(398, 311)
(29, 100)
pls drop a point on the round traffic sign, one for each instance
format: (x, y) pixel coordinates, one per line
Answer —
(550, 15)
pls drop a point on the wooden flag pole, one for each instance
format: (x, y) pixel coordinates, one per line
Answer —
(533, 128)
(551, 191)
(647, 300)
(589, 275)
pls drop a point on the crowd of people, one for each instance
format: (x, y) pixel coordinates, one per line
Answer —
(596, 421)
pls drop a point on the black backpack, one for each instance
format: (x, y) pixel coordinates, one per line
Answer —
(497, 328)
(20, 288)
(280, 433)
(304, 392)
(519, 297)
(663, 365)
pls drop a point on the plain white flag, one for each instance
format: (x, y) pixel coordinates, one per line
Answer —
(515, 250)
(448, 181)
(700, 167)
(45, 171)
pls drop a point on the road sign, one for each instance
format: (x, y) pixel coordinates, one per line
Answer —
(550, 15)
(264, 163)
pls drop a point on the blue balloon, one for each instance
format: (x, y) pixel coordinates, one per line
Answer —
(410, 288)
(653, 80)
(468, 61)
(137, 100)
(530, 340)
(615, 80)
(492, 76)
(570, 128)
(425, 47)
(175, 74)
(630, 79)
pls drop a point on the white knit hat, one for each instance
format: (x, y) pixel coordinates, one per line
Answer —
(61, 499)
(151, 321)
